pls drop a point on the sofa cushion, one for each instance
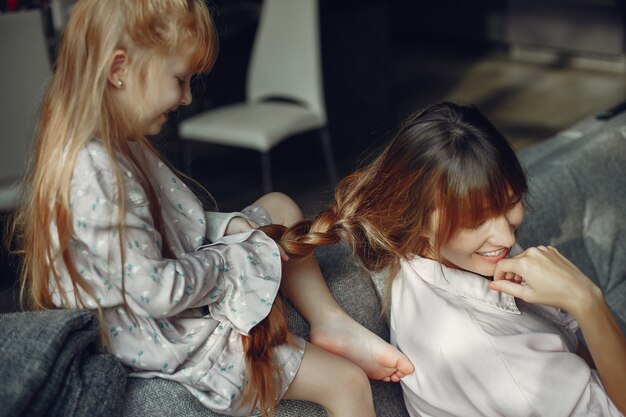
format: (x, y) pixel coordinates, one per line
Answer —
(52, 366)
(578, 200)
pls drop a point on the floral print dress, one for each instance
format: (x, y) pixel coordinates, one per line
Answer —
(179, 319)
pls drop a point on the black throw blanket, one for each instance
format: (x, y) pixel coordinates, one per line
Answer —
(51, 365)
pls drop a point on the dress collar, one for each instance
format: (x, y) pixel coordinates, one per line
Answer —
(462, 283)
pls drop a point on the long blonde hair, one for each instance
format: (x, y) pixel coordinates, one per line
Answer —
(79, 106)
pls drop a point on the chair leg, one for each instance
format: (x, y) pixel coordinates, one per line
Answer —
(328, 156)
(267, 172)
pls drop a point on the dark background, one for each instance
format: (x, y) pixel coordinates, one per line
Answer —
(369, 88)
(359, 41)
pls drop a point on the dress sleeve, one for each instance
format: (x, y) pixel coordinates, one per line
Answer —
(216, 223)
(245, 291)
(131, 268)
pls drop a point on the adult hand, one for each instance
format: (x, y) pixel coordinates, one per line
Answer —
(549, 278)
(542, 275)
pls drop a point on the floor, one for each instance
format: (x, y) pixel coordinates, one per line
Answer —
(528, 101)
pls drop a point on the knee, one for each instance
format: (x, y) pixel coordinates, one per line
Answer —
(353, 382)
(356, 386)
(281, 208)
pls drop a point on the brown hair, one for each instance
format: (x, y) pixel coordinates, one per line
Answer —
(264, 371)
(447, 158)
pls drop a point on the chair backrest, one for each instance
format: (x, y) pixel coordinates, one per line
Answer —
(286, 57)
(24, 72)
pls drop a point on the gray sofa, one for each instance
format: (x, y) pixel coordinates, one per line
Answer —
(578, 196)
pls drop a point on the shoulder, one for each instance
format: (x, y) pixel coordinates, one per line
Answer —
(94, 157)
(418, 302)
(96, 171)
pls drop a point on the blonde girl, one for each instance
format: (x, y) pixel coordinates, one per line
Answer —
(438, 210)
(107, 225)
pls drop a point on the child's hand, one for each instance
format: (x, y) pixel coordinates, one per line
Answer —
(547, 277)
(239, 225)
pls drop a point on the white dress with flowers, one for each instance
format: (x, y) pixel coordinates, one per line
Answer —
(179, 319)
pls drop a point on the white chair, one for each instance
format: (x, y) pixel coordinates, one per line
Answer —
(24, 72)
(60, 11)
(285, 65)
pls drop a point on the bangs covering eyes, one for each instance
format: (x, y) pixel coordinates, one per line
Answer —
(470, 206)
(472, 214)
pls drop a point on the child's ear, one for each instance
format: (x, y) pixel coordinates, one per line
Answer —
(117, 68)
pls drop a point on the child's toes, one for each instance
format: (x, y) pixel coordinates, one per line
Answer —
(405, 367)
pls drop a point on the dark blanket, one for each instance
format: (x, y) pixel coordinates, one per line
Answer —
(50, 365)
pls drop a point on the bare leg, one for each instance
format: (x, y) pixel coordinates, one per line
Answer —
(331, 327)
(336, 384)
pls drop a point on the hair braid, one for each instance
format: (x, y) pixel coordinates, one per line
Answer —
(302, 238)
(264, 377)
(356, 218)
(298, 241)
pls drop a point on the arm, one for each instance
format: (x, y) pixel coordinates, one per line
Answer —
(162, 287)
(220, 224)
(571, 290)
(607, 345)
(154, 285)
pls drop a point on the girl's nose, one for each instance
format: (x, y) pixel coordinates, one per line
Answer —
(502, 232)
(185, 98)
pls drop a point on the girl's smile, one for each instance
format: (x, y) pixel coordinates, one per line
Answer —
(495, 255)
(479, 249)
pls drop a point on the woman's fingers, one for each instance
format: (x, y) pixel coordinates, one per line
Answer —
(511, 288)
(542, 275)
(506, 269)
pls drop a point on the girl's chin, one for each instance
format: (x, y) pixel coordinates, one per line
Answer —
(475, 265)
(488, 272)
(486, 269)
(156, 126)
(153, 130)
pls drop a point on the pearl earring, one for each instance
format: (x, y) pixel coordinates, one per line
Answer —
(120, 83)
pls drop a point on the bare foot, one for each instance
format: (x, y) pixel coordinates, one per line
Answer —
(345, 337)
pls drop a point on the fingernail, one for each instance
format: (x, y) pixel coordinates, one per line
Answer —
(494, 286)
